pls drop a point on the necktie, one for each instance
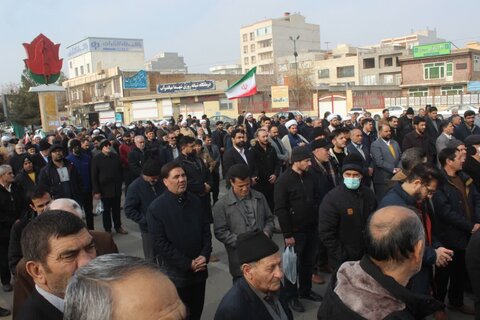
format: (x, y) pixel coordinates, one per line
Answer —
(392, 151)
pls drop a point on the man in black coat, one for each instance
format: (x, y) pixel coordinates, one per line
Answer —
(472, 259)
(344, 212)
(405, 125)
(296, 206)
(181, 238)
(218, 136)
(137, 157)
(61, 177)
(468, 127)
(419, 138)
(457, 207)
(239, 154)
(267, 164)
(257, 255)
(170, 151)
(107, 186)
(140, 194)
(12, 204)
(472, 162)
(27, 178)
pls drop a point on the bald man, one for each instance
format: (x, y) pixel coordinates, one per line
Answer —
(374, 287)
(120, 287)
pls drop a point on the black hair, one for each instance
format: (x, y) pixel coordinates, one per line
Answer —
(447, 154)
(417, 120)
(469, 113)
(432, 108)
(238, 171)
(167, 168)
(236, 131)
(38, 192)
(426, 173)
(183, 141)
(444, 124)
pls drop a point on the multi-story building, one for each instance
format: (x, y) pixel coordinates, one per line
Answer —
(263, 42)
(167, 63)
(92, 55)
(440, 75)
(226, 69)
(414, 39)
(338, 67)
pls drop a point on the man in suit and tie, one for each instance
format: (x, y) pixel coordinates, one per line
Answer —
(386, 159)
(356, 146)
(171, 151)
(239, 154)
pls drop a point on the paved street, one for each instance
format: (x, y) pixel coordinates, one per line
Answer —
(219, 280)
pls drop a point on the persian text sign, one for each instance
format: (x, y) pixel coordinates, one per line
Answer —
(186, 86)
(137, 81)
(431, 50)
(279, 97)
(105, 44)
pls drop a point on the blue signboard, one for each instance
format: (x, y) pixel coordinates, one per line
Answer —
(137, 81)
(186, 86)
(473, 86)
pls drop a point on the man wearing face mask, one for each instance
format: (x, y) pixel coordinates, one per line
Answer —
(344, 212)
(140, 194)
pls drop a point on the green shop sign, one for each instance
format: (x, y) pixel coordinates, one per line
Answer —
(431, 50)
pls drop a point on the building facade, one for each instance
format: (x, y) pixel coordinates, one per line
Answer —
(166, 63)
(263, 42)
(226, 69)
(416, 38)
(92, 55)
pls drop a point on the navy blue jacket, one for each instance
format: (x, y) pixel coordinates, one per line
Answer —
(241, 303)
(83, 165)
(453, 225)
(180, 234)
(462, 131)
(140, 194)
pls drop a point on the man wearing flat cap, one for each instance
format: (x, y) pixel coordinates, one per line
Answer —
(140, 194)
(344, 212)
(472, 162)
(255, 295)
(296, 198)
(293, 138)
(107, 185)
(60, 176)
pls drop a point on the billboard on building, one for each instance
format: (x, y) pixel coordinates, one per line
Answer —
(137, 81)
(432, 50)
(104, 44)
(186, 86)
(280, 97)
(473, 86)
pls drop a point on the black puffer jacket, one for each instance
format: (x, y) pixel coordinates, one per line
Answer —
(12, 205)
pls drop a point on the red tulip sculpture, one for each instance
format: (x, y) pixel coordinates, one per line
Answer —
(43, 62)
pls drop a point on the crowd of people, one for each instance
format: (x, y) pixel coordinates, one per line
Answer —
(390, 207)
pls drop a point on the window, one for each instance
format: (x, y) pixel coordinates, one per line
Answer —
(418, 92)
(245, 60)
(76, 72)
(324, 74)
(369, 63)
(461, 66)
(398, 79)
(82, 70)
(449, 69)
(476, 63)
(252, 36)
(264, 31)
(434, 70)
(225, 104)
(265, 43)
(388, 79)
(266, 55)
(451, 90)
(252, 48)
(244, 37)
(388, 62)
(345, 72)
(245, 49)
(71, 64)
(369, 80)
(253, 59)
(397, 61)
(88, 67)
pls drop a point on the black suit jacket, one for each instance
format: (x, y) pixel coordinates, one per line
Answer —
(38, 308)
(232, 157)
(241, 303)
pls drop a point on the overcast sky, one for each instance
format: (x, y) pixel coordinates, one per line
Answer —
(206, 32)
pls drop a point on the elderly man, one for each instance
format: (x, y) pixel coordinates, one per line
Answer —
(181, 237)
(293, 138)
(140, 194)
(241, 210)
(137, 157)
(12, 204)
(374, 287)
(103, 290)
(55, 245)
(255, 295)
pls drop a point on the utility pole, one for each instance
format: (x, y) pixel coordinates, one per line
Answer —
(295, 55)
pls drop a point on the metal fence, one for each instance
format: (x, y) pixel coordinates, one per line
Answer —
(443, 101)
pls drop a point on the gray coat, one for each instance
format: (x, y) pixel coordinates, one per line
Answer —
(282, 157)
(230, 220)
(383, 160)
(441, 142)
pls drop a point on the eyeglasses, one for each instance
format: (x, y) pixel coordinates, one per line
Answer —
(430, 192)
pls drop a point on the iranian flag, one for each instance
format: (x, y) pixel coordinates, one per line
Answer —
(244, 87)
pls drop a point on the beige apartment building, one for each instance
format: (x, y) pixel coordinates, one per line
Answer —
(261, 43)
(416, 38)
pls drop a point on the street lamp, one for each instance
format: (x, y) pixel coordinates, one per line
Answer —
(295, 55)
